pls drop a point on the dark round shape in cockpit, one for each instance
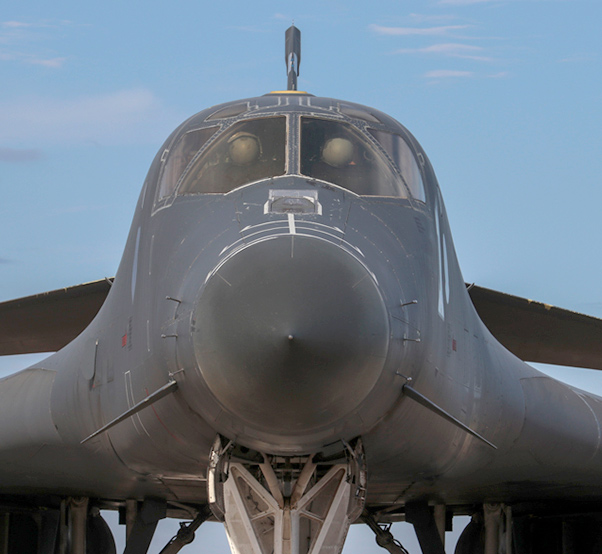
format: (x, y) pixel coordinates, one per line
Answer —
(244, 148)
(338, 152)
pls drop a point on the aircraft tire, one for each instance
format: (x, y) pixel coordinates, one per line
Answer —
(472, 539)
(99, 538)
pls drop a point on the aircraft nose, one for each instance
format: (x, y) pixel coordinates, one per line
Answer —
(290, 334)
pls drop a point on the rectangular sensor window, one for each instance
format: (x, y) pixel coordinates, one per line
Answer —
(293, 202)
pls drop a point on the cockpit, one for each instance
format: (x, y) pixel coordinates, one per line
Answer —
(217, 159)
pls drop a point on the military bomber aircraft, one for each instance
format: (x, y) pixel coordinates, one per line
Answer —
(288, 347)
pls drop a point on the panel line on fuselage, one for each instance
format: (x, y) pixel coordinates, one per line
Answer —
(129, 393)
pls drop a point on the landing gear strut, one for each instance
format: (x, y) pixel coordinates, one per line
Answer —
(286, 505)
(384, 537)
(186, 533)
(420, 516)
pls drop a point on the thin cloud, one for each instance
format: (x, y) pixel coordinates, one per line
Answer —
(449, 48)
(448, 74)
(77, 209)
(55, 63)
(22, 40)
(19, 155)
(579, 58)
(52, 63)
(442, 30)
(16, 24)
(248, 29)
(463, 2)
(120, 117)
(421, 18)
(472, 2)
(454, 50)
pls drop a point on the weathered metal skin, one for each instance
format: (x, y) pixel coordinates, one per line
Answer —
(286, 336)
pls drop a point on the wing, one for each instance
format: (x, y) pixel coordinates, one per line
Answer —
(48, 321)
(538, 332)
(533, 331)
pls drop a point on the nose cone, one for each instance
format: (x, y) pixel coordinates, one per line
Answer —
(290, 334)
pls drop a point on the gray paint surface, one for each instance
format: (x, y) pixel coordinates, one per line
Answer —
(370, 291)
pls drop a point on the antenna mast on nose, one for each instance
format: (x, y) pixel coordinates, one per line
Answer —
(292, 55)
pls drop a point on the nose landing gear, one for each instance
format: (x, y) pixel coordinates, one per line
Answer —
(286, 504)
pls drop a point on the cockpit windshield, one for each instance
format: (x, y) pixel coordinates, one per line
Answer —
(246, 152)
(180, 156)
(339, 153)
(404, 160)
(218, 159)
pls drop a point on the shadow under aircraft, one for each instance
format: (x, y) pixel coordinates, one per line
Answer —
(288, 347)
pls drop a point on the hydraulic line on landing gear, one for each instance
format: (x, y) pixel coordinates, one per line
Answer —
(384, 537)
(186, 533)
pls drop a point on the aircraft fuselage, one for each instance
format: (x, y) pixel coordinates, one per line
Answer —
(292, 294)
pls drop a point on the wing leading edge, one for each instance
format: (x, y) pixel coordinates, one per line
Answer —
(537, 332)
(48, 321)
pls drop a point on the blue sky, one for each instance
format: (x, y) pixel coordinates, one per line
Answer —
(505, 96)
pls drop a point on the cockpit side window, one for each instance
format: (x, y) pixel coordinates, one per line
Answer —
(245, 152)
(339, 153)
(179, 157)
(404, 159)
